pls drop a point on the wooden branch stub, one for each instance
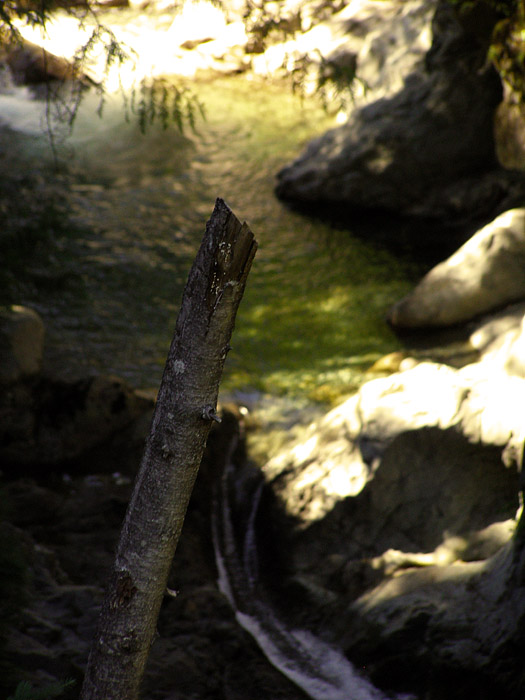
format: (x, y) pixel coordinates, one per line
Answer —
(235, 250)
(184, 412)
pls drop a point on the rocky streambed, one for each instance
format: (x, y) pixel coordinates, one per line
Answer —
(389, 528)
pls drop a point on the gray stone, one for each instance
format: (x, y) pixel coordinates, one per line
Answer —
(500, 339)
(427, 150)
(344, 450)
(403, 501)
(21, 343)
(30, 64)
(487, 272)
(491, 330)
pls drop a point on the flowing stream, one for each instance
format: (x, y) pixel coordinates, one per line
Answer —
(311, 321)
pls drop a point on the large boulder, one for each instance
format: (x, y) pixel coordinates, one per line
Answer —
(31, 64)
(487, 272)
(389, 529)
(427, 150)
(500, 340)
(400, 514)
(343, 452)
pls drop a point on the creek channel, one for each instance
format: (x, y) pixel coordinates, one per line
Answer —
(312, 319)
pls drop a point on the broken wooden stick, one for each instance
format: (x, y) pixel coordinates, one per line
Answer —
(181, 422)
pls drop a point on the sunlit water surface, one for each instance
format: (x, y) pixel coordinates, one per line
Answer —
(312, 319)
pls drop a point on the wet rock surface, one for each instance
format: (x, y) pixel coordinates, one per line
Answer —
(56, 424)
(357, 576)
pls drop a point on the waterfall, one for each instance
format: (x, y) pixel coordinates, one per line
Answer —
(321, 670)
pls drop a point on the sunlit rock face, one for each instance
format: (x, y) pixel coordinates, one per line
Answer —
(500, 339)
(401, 506)
(349, 446)
(384, 58)
(425, 150)
(402, 501)
(486, 273)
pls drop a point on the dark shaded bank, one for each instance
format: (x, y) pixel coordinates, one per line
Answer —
(64, 530)
(419, 241)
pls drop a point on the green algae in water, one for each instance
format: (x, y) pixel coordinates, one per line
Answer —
(312, 319)
(312, 322)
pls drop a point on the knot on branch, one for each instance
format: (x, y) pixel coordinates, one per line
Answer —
(209, 413)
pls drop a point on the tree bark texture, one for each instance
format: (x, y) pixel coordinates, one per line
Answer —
(184, 411)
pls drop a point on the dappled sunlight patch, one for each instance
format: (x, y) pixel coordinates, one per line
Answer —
(407, 435)
(303, 451)
(328, 386)
(342, 482)
(415, 582)
(316, 339)
(197, 20)
(311, 321)
(62, 34)
(317, 314)
(152, 47)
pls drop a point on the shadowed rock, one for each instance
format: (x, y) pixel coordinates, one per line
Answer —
(426, 151)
